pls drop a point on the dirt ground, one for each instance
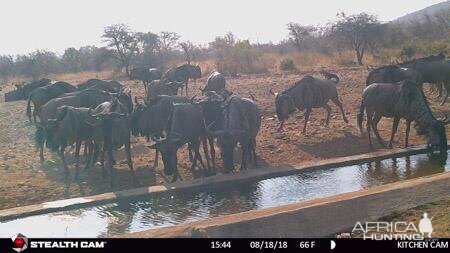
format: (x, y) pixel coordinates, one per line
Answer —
(24, 180)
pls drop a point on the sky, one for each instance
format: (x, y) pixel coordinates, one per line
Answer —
(27, 25)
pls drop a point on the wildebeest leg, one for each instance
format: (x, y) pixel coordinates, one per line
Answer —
(368, 124)
(394, 130)
(245, 149)
(102, 161)
(41, 152)
(129, 161)
(213, 152)
(175, 173)
(63, 159)
(190, 152)
(281, 126)
(155, 163)
(408, 127)
(77, 158)
(375, 121)
(253, 150)
(195, 145)
(328, 108)
(205, 151)
(445, 95)
(337, 102)
(307, 113)
(85, 151)
(90, 156)
(187, 87)
(440, 89)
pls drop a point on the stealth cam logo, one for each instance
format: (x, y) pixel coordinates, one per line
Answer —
(20, 242)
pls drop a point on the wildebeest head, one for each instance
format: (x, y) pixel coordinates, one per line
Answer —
(283, 105)
(138, 126)
(196, 72)
(125, 99)
(168, 151)
(58, 131)
(227, 141)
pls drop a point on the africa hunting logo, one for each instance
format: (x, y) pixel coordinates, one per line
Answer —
(395, 230)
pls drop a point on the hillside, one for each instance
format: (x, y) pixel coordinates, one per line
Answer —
(421, 15)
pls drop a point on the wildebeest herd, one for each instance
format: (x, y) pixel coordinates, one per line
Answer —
(102, 116)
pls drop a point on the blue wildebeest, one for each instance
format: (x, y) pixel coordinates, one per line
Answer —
(239, 121)
(23, 91)
(392, 74)
(114, 119)
(152, 119)
(186, 126)
(182, 74)
(43, 94)
(401, 100)
(87, 98)
(215, 82)
(306, 94)
(145, 74)
(72, 126)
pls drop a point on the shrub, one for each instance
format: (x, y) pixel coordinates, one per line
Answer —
(287, 64)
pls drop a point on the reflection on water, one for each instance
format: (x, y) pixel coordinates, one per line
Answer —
(150, 212)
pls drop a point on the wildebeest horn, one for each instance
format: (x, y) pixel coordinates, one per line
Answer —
(252, 96)
(273, 93)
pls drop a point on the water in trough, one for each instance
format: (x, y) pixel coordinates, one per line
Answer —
(166, 210)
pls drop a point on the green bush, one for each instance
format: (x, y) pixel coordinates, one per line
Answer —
(287, 64)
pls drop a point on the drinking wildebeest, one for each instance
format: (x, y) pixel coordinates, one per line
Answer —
(114, 120)
(392, 74)
(213, 113)
(240, 122)
(403, 100)
(151, 120)
(306, 94)
(86, 98)
(145, 74)
(215, 82)
(23, 91)
(182, 74)
(157, 87)
(104, 85)
(42, 95)
(186, 126)
(72, 126)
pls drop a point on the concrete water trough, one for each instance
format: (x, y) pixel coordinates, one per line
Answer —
(254, 198)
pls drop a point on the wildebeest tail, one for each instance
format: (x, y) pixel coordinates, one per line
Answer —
(29, 107)
(360, 116)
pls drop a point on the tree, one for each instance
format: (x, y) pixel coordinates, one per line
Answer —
(71, 60)
(121, 38)
(360, 32)
(299, 34)
(149, 46)
(188, 49)
(168, 40)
